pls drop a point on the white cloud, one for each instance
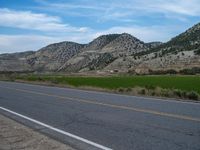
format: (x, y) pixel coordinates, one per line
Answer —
(116, 10)
(35, 21)
(182, 7)
(145, 33)
(19, 43)
(13, 43)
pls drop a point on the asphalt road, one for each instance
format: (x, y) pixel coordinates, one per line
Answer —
(116, 121)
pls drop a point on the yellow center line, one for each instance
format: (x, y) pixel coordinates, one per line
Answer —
(171, 115)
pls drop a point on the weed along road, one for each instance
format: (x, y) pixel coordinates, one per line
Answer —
(96, 120)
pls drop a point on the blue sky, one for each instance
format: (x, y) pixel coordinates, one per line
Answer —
(32, 24)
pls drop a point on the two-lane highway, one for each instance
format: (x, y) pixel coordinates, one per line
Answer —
(115, 121)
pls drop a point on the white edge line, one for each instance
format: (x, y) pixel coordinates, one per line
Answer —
(58, 130)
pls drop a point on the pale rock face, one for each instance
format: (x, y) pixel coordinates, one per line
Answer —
(15, 61)
(119, 52)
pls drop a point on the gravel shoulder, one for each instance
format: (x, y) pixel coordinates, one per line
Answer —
(14, 136)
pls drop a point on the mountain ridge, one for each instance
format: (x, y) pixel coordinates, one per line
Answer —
(122, 52)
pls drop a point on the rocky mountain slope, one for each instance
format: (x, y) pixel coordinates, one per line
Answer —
(181, 52)
(108, 53)
(94, 57)
(15, 61)
(53, 56)
(186, 41)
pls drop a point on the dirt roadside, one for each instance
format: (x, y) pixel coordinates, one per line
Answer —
(14, 136)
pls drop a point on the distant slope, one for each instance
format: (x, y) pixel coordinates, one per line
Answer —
(125, 44)
(97, 57)
(187, 41)
(51, 57)
(15, 61)
(152, 45)
(181, 52)
(119, 52)
(100, 42)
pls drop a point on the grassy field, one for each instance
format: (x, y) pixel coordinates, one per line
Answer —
(174, 86)
(185, 83)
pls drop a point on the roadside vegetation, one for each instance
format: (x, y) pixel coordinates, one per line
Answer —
(183, 87)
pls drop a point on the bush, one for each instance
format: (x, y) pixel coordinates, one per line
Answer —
(192, 71)
(40, 79)
(184, 94)
(150, 87)
(160, 72)
(120, 90)
(197, 52)
(193, 95)
(128, 89)
(54, 81)
(188, 95)
(153, 93)
(177, 93)
(165, 93)
(142, 92)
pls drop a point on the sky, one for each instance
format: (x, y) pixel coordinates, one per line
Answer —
(32, 24)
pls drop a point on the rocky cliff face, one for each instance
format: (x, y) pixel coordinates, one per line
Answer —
(121, 52)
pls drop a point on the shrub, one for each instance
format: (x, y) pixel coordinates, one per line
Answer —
(165, 93)
(142, 92)
(54, 81)
(120, 90)
(191, 71)
(150, 87)
(153, 93)
(184, 94)
(178, 93)
(128, 89)
(160, 72)
(40, 79)
(197, 52)
(193, 95)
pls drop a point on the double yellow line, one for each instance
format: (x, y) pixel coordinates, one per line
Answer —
(164, 114)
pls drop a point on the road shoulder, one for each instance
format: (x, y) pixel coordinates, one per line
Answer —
(17, 136)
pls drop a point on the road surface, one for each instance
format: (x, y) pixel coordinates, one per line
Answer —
(109, 120)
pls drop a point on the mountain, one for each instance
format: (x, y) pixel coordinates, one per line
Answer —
(53, 56)
(181, 52)
(189, 40)
(15, 61)
(152, 45)
(101, 41)
(108, 53)
(95, 57)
